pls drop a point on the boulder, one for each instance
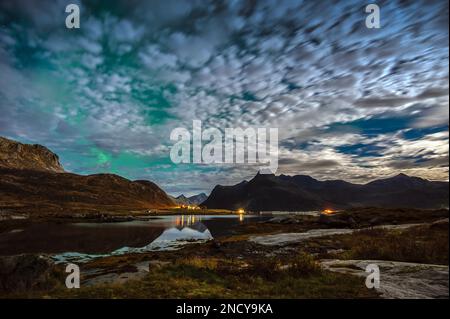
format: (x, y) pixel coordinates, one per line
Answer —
(26, 272)
(337, 220)
(440, 224)
(283, 220)
(374, 221)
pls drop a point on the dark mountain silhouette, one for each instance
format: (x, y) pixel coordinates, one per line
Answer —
(302, 193)
(32, 180)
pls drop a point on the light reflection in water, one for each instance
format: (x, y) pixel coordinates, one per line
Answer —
(189, 220)
(184, 221)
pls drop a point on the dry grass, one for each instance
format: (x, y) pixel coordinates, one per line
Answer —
(304, 265)
(199, 262)
(422, 244)
(265, 268)
(209, 277)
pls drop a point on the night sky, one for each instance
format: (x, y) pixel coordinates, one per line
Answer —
(349, 102)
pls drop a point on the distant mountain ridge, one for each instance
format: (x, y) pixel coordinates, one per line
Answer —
(304, 193)
(192, 200)
(33, 180)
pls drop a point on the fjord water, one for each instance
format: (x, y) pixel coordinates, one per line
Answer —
(82, 239)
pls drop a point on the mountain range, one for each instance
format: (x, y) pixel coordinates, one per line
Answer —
(267, 192)
(33, 180)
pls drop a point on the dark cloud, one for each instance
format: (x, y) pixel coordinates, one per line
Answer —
(400, 100)
(433, 93)
(383, 102)
(318, 164)
(414, 163)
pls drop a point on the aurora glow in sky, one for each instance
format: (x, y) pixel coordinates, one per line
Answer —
(350, 103)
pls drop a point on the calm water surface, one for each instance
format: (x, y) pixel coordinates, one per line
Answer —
(83, 241)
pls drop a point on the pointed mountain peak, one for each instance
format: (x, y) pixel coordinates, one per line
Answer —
(261, 175)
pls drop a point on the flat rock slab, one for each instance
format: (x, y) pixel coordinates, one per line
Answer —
(289, 238)
(97, 277)
(399, 280)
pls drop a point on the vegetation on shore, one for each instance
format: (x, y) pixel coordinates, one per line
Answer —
(421, 244)
(211, 277)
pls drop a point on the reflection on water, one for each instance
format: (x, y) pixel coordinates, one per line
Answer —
(188, 220)
(183, 221)
(83, 241)
(173, 238)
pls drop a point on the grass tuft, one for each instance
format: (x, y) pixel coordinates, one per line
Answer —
(304, 265)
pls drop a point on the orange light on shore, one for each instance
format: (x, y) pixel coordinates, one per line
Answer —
(328, 211)
(241, 211)
(189, 207)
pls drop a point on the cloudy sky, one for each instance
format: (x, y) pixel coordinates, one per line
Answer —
(349, 102)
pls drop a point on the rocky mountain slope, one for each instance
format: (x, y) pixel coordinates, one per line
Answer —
(23, 156)
(303, 193)
(33, 181)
